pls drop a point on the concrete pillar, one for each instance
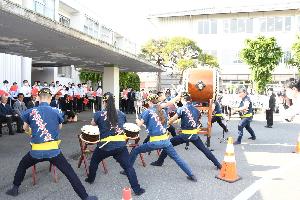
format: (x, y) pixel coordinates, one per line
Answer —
(26, 66)
(111, 81)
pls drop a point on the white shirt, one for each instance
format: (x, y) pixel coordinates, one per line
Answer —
(5, 88)
(99, 92)
(291, 111)
(26, 90)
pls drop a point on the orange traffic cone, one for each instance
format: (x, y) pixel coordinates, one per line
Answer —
(126, 194)
(298, 145)
(228, 171)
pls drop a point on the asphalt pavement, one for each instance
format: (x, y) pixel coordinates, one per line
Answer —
(268, 168)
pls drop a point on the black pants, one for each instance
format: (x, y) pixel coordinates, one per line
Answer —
(218, 119)
(80, 105)
(269, 117)
(171, 130)
(121, 155)
(9, 121)
(177, 140)
(124, 105)
(60, 162)
(98, 103)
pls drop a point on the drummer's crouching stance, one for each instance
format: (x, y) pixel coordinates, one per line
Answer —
(112, 142)
(155, 119)
(45, 123)
(189, 123)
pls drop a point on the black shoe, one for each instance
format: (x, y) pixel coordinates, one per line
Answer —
(11, 133)
(236, 142)
(252, 138)
(89, 181)
(268, 126)
(226, 130)
(140, 192)
(20, 131)
(91, 198)
(156, 163)
(14, 191)
(123, 172)
(1, 135)
(192, 178)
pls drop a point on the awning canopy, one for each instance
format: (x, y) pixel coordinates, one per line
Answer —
(49, 43)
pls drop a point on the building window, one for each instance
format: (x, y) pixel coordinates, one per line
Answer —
(214, 26)
(238, 26)
(233, 26)
(271, 24)
(249, 25)
(241, 25)
(286, 57)
(288, 23)
(226, 26)
(208, 27)
(298, 23)
(106, 34)
(236, 58)
(91, 27)
(64, 72)
(40, 6)
(278, 23)
(64, 20)
(45, 8)
(263, 24)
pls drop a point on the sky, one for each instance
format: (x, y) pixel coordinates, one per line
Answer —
(129, 17)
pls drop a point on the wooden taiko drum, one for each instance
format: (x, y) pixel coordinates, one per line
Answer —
(90, 134)
(202, 84)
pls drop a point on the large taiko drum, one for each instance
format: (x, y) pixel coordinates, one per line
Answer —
(202, 84)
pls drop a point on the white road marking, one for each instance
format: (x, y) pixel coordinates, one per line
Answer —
(253, 188)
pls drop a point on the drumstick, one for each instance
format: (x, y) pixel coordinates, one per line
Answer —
(136, 113)
(93, 108)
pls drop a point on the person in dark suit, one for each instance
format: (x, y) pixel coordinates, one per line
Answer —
(8, 115)
(33, 102)
(270, 111)
(56, 102)
(67, 108)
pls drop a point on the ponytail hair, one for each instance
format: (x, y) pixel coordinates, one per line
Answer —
(160, 113)
(112, 115)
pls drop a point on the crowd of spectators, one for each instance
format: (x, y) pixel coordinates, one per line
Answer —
(71, 99)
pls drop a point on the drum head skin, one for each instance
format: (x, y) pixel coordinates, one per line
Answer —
(201, 84)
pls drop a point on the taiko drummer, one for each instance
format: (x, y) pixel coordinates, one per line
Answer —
(112, 142)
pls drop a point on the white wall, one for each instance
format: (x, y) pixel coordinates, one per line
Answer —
(14, 68)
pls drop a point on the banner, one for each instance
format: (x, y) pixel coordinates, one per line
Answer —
(233, 100)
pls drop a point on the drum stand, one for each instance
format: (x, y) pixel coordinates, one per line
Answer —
(134, 145)
(52, 168)
(84, 153)
(206, 130)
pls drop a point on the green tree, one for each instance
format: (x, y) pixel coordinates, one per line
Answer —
(86, 75)
(295, 60)
(129, 80)
(178, 53)
(262, 55)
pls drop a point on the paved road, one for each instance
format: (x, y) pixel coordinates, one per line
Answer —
(268, 168)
